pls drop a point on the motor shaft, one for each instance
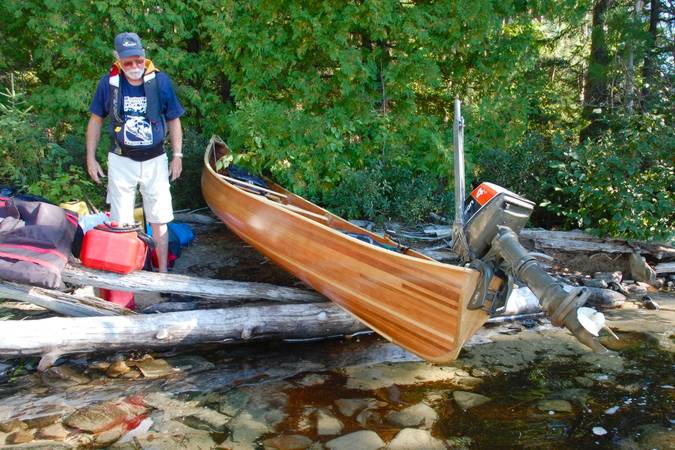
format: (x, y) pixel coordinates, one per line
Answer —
(558, 303)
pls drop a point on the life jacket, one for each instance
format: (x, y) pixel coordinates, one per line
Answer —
(157, 122)
(35, 241)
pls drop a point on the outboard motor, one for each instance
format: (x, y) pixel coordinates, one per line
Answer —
(485, 237)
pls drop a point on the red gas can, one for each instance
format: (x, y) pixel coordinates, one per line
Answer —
(121, 298)
(113, 249)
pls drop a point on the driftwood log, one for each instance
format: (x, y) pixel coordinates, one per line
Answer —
(60, 302)
(57, 336)
(223, 291)
(579, 241)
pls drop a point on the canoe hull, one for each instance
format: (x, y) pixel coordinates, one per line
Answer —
(418, 303)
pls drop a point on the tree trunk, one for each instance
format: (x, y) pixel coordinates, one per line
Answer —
(629, 85)
(649, 67)
(60, 302)
(596, 88)
(222, 290)
(58, 336)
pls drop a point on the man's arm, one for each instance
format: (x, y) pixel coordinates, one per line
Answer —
(93, 136)
(176, 136)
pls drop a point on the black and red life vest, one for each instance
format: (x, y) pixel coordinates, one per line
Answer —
(153, 113)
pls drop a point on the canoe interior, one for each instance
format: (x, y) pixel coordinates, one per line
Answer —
(407, 297)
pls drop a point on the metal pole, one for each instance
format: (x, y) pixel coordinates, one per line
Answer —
(458, 140)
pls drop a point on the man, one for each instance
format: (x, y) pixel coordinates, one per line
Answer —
(143, 108)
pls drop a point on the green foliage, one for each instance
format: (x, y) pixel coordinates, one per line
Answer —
(620, 185)
(186, 191)
(350, 103)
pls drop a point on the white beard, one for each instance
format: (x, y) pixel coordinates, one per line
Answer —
(134, 74)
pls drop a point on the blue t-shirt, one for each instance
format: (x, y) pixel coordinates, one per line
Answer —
(134, 103)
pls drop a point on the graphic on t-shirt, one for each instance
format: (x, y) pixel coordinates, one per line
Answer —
(137, 130)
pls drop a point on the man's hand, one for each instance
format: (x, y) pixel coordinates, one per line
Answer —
(176, 168)
(94, 170)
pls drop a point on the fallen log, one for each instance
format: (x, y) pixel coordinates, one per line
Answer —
(665, 268)
(224, 291)
(60, 302)
(579, 241)
(59, 336)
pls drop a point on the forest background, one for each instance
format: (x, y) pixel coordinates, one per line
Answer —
(567, 102)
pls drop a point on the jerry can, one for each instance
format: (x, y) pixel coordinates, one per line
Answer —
(114, 249)
(124, 299)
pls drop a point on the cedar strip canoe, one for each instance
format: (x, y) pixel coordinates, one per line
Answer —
(407, 297)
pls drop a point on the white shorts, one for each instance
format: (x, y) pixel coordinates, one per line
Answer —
(152, 178)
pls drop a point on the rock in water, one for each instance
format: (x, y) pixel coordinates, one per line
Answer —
(327, 424)
(412, 439)
(555, 405)
(419, 415)
(290, 442)
(468, 400)
(363, 440)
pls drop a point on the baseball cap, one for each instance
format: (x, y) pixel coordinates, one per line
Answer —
(128, 44)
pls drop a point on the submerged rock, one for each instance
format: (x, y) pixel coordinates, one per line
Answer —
(117, 368)
(362, 440)
(348, 406)
(313, 379)
(154, 368)
(378, 376)
(367, 416)
(190, 363)
(63, 375)
(413, 439)
(468, 400)
(103, 416)
(19, 437)
(110, 436)
(42, 421)
(555, 406)
(287, 442)
(55, 431)
(419, 415)
(12, 425)
(327, 424)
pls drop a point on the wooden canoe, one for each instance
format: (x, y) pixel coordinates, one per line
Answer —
(407, 297)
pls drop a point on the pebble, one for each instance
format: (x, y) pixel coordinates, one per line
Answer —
(611, 410)
(362, 440)
(599, 431)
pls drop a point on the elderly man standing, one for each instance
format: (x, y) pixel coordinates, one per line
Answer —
(143, 108)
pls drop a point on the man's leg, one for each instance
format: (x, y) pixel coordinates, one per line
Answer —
(160, 234)
(156, 193)
(122, 181)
